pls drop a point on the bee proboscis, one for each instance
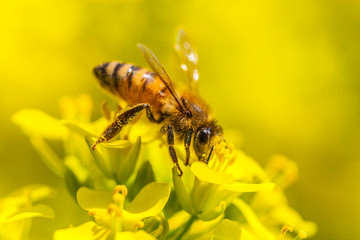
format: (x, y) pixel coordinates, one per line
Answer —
(183, 114)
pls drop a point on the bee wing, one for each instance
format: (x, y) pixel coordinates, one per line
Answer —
(188, 60)
(159, 69)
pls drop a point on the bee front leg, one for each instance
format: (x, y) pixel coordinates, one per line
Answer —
(187, 142)
(120, 121)
(167, 129)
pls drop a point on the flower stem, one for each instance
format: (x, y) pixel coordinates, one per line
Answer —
(186, 228)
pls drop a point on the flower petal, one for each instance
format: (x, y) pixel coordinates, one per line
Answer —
(72, 182)
(116, 159)
(33, 192)
(147, 130)
(101, 161)
(227, 230)
(182, 192)
(248, 187)
(159, 159)
(139, 235)
(144, 176)
(86, 231)
(125, 167)
(253, 220)
(117, 144)
(203, 172)
(282, 171)
(48, 156)
(214, 213)
(199, 229)
(92, 199)
(39, 210)
(150, 200)
(246, 168)
(76, 128)
(76, 175)
(34, 122)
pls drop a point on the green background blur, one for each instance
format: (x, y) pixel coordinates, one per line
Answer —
(283, 75)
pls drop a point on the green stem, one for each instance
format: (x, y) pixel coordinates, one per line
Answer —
(186, 228)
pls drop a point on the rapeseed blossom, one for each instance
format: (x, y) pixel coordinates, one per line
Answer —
(19, 208)
(112, 221)
(130, 192)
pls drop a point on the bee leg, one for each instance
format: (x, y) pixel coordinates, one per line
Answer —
(120, 121)
(187, 142)
(167, 129)
(150, 115)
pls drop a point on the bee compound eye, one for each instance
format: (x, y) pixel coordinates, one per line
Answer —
(204, 136)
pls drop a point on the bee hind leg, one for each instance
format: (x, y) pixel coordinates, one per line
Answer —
(121, 120)
(167, 129)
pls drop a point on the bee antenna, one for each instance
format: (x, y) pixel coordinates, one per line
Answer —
(212, 148)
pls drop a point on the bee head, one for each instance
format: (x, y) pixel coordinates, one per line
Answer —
(203, 140)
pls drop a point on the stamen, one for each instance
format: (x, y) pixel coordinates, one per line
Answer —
(118, 198)
(213, 163)
(121, 189)
(230, 162)
(114, 209)
(287, 228)
(138, 224)
(302, 234)
(92, 213)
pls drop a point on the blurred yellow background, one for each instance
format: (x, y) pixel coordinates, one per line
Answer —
(282, 74)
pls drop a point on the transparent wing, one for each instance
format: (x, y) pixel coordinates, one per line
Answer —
(188, 60)
(159, 69)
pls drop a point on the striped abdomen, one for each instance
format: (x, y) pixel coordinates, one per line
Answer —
(133, 84)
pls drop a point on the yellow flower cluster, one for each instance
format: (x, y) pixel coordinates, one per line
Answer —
(130, 192)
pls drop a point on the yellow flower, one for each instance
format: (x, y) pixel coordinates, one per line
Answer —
(272, 207)
(113, 220)
(264, 213)
(209, 188)
(231, 197)
(111, 163)
(18, 209)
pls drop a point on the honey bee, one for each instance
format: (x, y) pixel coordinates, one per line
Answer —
(184, 114)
